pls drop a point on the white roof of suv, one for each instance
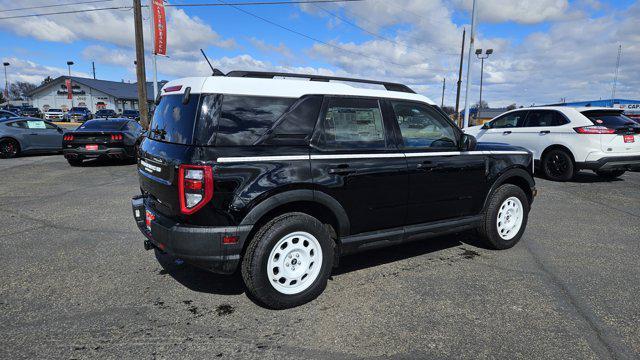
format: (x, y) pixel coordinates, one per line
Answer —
(284, 87)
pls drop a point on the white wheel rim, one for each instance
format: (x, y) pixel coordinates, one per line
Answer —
(510, 216)
(294, 263)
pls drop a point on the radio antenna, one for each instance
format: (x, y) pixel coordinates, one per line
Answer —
(214, 71)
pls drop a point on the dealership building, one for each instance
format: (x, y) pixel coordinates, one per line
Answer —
(86, 92)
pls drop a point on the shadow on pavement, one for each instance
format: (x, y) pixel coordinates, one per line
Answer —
(584, 177)
(200, 280)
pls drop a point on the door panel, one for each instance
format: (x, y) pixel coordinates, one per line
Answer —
(354, 160)
(539, 131)
(444, 183)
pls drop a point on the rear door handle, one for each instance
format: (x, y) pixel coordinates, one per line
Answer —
(342, 169)
(427, 165)
(545, 132)
(506, 132)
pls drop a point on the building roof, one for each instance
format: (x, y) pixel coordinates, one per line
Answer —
(117, 89)
(279, 88)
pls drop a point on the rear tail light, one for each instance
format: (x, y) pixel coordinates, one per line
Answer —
(173, 88)
(594, 130)
(195, 187)
(116, 137)
(67, 138)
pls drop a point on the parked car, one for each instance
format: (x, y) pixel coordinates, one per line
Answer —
(565, 140)
(54, 114)
(106, 139)
(249, 171)
(19, 135)
(33, 112)
(13, 109)
(106, 113)
(131, 114)
(4, 114)
(79, 114)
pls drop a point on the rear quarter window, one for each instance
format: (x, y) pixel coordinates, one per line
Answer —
(174, 121)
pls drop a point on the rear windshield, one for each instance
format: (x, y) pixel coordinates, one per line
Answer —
(79, 109)
(102, 125)
(219, 120)
(131, 112)
(55, 110)
(608, 118)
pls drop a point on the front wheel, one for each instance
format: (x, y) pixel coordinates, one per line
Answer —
(505, 218)
(610, 174)
(288, 261)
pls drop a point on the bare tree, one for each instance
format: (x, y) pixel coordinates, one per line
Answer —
(19, 90)
(481, 105)
(512, 106)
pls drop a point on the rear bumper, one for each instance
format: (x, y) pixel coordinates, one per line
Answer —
(198, 245)
(109, 153)
(612, 163)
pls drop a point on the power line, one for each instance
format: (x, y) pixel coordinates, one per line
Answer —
(292, 2)
(315, 39)
(55, 5)
(373, 33)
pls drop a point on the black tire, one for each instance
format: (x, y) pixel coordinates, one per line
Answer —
(558, 165)
(255, 261)
(74, 162)
(488, 229)
(9, 148)
(610, 174)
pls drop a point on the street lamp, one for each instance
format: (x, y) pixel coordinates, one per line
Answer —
(6, 80)
(482, 57)
(69, 63)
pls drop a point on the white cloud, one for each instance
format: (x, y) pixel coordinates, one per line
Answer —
(280, 49)
(32, 72)
(519, 11)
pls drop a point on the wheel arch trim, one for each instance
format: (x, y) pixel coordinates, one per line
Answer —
(513, 173)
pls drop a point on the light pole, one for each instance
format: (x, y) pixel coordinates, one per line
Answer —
(6, 80)
(69, 63)
(471, 47)
(482, 57)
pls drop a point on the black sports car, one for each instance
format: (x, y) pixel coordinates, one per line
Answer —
(106, 139)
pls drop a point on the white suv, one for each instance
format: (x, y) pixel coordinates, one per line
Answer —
(565, 140)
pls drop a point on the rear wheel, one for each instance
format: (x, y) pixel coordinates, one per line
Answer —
(9, 148)
(505, 218)
(288, 261)
(609, 174)
(558, 165)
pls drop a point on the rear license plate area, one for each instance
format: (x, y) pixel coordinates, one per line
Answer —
(91, 147)
(629, 138)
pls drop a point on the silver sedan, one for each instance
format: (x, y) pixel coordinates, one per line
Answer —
(20, 135)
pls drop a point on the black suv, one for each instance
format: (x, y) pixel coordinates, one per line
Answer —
(280, 177)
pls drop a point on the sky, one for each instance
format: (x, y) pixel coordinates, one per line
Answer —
(544, 50)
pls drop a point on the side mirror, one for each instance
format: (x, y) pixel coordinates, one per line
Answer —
(468, 142)
(486, 125)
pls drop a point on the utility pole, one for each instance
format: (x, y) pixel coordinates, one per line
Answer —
(140, 70)
(471, 45)
(615, 76)
(444, 83)
(464, 34)
(93, 65)
(6, 81)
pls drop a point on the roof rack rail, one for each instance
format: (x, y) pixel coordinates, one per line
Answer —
(269, 75)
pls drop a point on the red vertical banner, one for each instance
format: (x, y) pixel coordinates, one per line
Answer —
(159, 27)
(69, 89)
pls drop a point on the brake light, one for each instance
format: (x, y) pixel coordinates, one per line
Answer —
(173, 88)
(594, 130)
(195, 187)
(116, 137)
(67, 138)
(149, 217)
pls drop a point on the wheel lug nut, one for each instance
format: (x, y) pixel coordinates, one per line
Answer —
(297, 255)
(287, 264)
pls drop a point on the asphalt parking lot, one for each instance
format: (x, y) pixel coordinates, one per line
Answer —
(77, 283)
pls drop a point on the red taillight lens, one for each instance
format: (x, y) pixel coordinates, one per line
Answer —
(195, 187)
(173, 88)
(67, 138)
(149, 217)
(594, 130)
(116, 137)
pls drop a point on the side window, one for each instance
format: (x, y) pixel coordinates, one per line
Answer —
(299, 122)
(423, 127)
(510, 120)
(352, 123)
(244, 119)
(544, 118)
(18, 124)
